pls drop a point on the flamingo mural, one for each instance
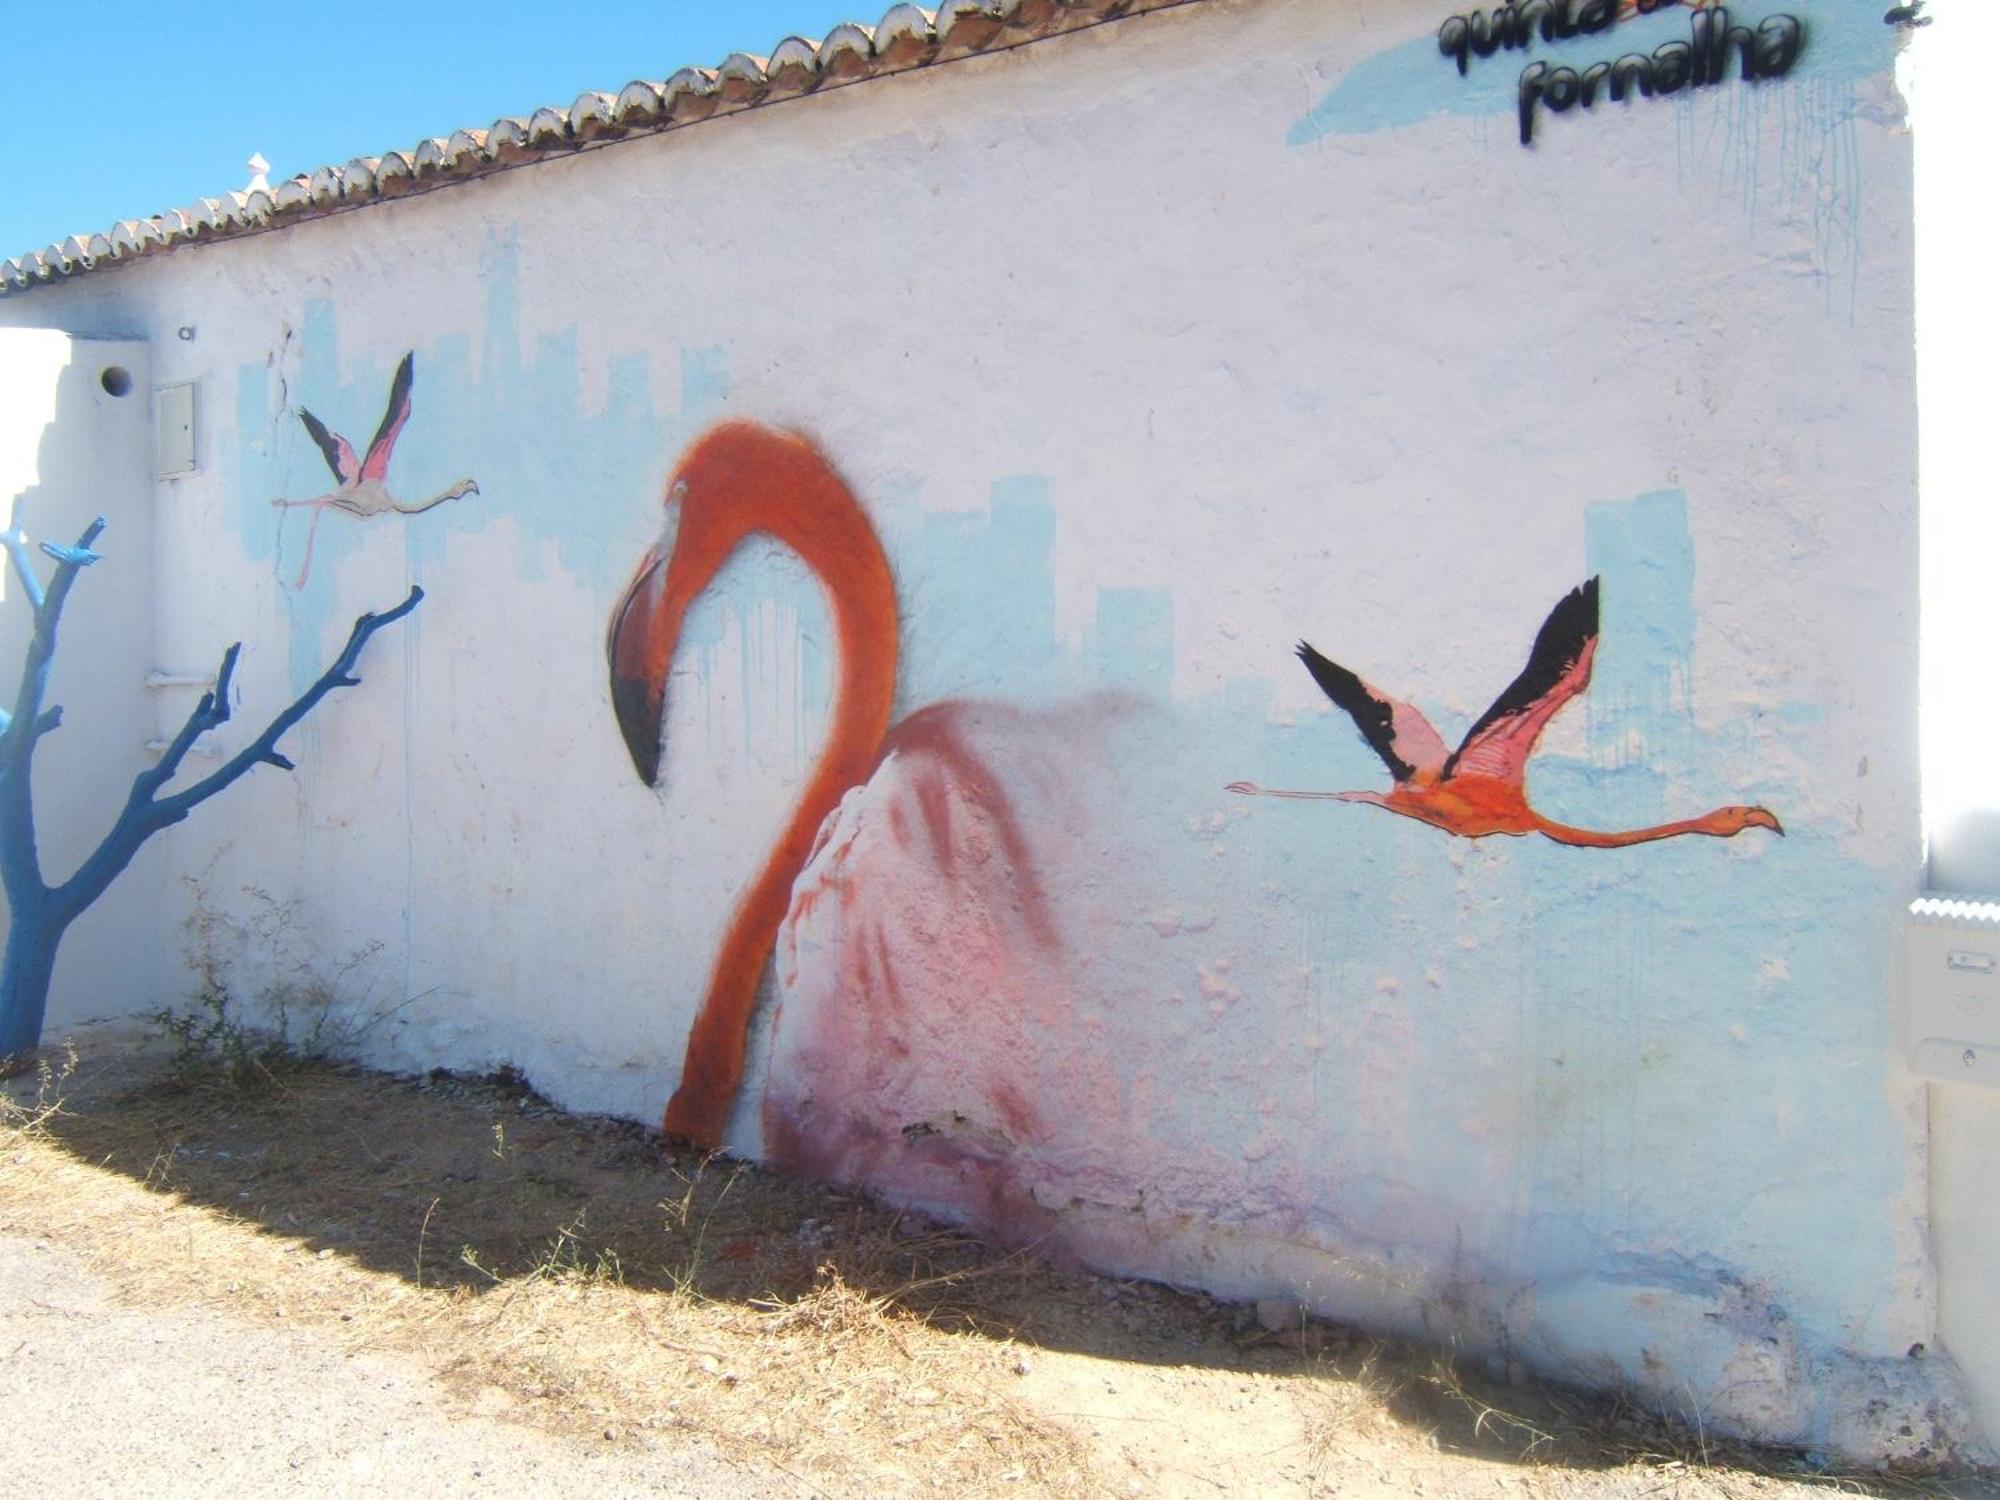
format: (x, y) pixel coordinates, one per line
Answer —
(741, 481)
(929, 863)
(361, 486)
(947, 824)
(1480, 788)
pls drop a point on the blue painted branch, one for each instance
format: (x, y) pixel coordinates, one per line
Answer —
(263, 749)
(212, 710)
(146, 812)
(40, 915)
(20, 861)
(48, 615)
(25, 972)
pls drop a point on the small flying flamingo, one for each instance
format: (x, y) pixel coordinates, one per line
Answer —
(1480, 789)
(362, 488)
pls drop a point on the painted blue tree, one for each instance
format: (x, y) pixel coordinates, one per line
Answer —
(40, 913)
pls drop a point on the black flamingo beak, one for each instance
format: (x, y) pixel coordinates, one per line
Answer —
(645, 628)
(640, 650)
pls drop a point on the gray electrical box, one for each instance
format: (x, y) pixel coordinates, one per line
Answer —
(1954, 1012)
(173, 430)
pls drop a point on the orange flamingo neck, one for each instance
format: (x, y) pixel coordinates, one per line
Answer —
(740, 482)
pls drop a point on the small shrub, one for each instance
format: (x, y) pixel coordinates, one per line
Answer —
(213, 1044)
(31, 1117)
(298, 1020)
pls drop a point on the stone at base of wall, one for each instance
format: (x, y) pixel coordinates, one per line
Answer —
(1704, 1348)
(1733, 1362)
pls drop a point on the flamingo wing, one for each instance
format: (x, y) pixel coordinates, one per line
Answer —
(1558, 669)
(1398, 733)
(376, 465)
(335, 448)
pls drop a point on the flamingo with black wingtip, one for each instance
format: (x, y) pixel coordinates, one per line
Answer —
(1480, 788)
(362, 489)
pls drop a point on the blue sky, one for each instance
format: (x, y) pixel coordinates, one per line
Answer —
(126, 108)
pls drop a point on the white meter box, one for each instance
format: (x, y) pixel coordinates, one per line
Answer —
(173, 430)
(1954, 1014)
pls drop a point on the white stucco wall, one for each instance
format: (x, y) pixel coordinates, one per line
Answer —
(1149, 352)
(1965, 1125)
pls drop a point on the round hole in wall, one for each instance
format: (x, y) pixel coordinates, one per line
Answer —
(116, 380)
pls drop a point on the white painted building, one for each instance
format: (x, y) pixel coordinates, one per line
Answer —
(1116, 365)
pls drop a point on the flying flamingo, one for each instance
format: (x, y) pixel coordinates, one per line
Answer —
(1479, 789)
(362, 488)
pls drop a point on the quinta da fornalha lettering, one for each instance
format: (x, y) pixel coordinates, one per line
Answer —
(1699, 62)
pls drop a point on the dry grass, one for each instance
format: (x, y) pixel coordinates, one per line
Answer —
(26, 1113)
(606, 1283)
(583, 1275)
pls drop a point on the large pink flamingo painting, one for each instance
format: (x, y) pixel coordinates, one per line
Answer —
(362, 485)
(1480, 788)
(740, 481)
(934, 838)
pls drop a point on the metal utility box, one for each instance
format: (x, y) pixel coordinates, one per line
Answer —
(173, 430)
(1954, 1013)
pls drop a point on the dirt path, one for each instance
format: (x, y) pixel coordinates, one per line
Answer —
(106, 1399)
(270, 1278)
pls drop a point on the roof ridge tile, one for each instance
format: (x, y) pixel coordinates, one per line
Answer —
(907, 36)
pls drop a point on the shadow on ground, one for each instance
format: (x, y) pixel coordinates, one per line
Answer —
(469, 1185)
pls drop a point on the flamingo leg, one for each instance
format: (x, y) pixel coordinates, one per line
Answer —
(1251, 789)
(312, 531)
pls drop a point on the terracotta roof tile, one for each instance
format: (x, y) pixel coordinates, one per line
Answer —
(690, 95)
(847, 53)
(639, 104)
(907, 36)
